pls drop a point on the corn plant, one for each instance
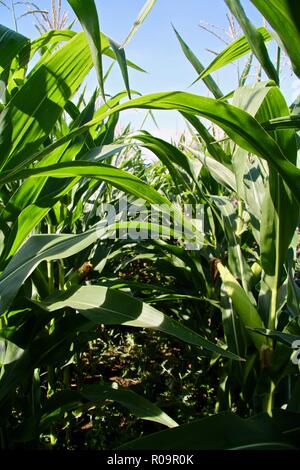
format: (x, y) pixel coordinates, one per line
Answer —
(53, 146)
(44, 208)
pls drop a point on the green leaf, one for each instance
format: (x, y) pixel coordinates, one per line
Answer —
(10, 352)
(254, 38)
(11, 43)
(213, 147)
(50, 38)
(236, 260)
(219, 172)
(250, 176)
(37, 208)
(149, 4)
(170, 156)
(285, 122)
(251, 173)
(121, 59)
(64, 401)
(234, 51)
(54, 37)
(36, 249)
(283, 16)
(29, 118)
(111, 307)
(234, 333)
(209, 81)
(87, 14)
(239, 125)
(276, 231)
(222, 431)
(285, 338)
(35, 197)
(248, 314)
(119, 178)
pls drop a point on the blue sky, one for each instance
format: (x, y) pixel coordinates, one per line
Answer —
(156, 49)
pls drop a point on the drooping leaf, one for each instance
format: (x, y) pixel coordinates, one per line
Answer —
(285, 338)
(219, 172)
(213, 147)
(283, 16)
(36, 249)
(115, 176)
(234, 51)
(222, 431)
(121, 59)
(93, 394)
(106, 306)
(239, 125)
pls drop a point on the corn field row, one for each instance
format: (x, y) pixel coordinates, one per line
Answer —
(110, 339)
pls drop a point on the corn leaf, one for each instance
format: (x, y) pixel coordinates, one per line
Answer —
(67, 401)
(285, 338)
(87, 14)
(11, 44)
(233, 52)
(34, 115)
(140, 19)
(209, 81)
(254, 38)
(121, 59)
(283, 16)
(222, 431)
(248, 314)
(111, 307)
(239, 125)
